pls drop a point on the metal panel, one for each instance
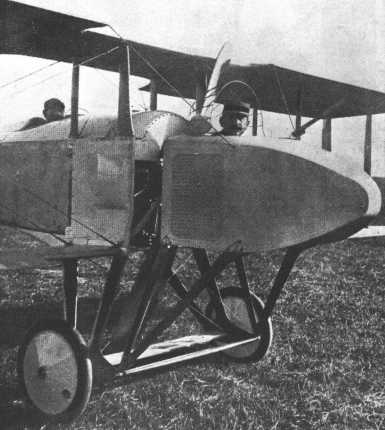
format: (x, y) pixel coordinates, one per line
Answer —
(102, 190)
(35, 185)
(265, 193)
(197, 196)
(152, 128)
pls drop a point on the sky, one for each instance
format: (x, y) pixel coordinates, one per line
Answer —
(337, 39)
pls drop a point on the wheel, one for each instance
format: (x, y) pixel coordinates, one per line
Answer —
(55, 371)
(236, 310)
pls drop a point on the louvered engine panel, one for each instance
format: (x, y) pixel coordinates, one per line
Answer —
(35, 180)
(196, 196)
(102, 190)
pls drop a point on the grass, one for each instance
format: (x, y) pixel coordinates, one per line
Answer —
(325, 370)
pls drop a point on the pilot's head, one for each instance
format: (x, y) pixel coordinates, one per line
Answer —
(235, 118)
(53, 110)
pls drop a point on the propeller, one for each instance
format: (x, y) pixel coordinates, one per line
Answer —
(200, 123)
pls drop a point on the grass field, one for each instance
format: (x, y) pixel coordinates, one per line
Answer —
(325, 370)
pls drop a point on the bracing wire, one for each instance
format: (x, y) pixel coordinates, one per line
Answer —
(83, 63)
(51, 206)
(228, 310)
(28, 75)
(39, 83)
(36, 226)
(283, 96)
(59, 238)
(148, 63)
(102, 54)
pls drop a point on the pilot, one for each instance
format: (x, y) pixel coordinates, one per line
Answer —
(53, 111)
(234, 119)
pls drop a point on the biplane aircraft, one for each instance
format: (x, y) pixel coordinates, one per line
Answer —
(153, 180)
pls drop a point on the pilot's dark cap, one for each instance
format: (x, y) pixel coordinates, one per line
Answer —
(238, 107)
(52, 103)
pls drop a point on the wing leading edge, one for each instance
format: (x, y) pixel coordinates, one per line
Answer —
(32, 31)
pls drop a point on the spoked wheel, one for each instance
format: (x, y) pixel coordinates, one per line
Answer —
(54, 371)
(236, 310)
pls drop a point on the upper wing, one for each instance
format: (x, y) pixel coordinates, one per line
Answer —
(28, 30)
(36, 32)
(276, 89)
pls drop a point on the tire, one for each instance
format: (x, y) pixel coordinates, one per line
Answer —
(55, 371)
(236, 310)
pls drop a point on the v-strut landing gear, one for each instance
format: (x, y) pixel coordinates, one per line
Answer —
(56, 368)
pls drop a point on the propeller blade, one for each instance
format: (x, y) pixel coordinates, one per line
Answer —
(200, 123)
(223, 57)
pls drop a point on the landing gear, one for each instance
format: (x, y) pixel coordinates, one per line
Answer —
(54, 363)
(235, 306)
(54, 371)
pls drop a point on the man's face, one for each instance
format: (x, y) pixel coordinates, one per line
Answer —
(53, 113)
(234, 121)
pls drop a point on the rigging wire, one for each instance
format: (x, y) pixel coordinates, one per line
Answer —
(153, 68)
(283, 96)
(83, 63)
(102, 54)
(28, 75)
(55, 208)
(35, 225)
(39, 83)
(59, 238)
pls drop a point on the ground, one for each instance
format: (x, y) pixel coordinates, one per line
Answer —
(325, 370)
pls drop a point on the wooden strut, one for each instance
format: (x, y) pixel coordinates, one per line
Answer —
(126, 131)
(284, 271)
(70, 284)
(327, 134)
(181, 290)
(298, 116)
(153, 94)
(129, 313)
(327, 113)
(125, 127)
(156, 279)
(255, 121)
(368, 145)
(239, 264)
(74, 131)
(110, 291)
(203, 263)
